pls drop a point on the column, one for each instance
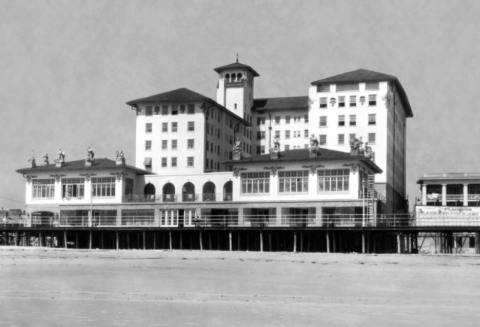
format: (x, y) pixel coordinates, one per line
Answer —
(465, 195)
(424, 194)
(444, 194)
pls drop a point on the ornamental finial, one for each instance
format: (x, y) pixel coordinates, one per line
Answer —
(237, 57)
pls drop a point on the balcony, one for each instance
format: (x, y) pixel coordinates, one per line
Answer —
(168, 198)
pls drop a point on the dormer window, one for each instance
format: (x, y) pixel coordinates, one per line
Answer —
(148, 111)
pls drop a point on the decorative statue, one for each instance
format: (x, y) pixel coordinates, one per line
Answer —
(276, 143)
(45, 159)
(356, 144)
(31, 159)
(90, 154)
(360, 146)
(313, 141)
(119, 154)
(369, 152)
(237, 149)
(61, 156)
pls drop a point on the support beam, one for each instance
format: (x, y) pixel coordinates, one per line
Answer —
(230, 241)
(40, 240)
(328, 242)
(477, 242)
(154, 240)
(90, 240)
(65, 243)
(334, 242)
(261, 241)
(200, 240)
(76, 239)
(16, 238)
(301, 241)
(238, 240)
(270, 241)
(181, 241)
(52, 239)
(399, 244)
(294, 241)
(363, 241)
(116, 240)
(144, 240)
(170, 239)
(210, 241)
(101, 240)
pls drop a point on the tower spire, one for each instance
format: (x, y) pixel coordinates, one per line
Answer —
(237, 57)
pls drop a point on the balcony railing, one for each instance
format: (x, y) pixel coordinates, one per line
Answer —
(452, 197)
(189, 197)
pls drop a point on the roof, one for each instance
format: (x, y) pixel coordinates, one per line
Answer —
(300, 102)
(182, 95)
(304, 155)
(364, 75)
(236, 65)
(448, 176)
(79, 165)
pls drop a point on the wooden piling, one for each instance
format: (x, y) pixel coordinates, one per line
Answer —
(170, 239)
(363, 241)
(76, 239)
(210, 241)
(399, 244)
(230, 241)
(261, 241)
(181, 241)
(301, 241)
(200, 240)
(294, 241)
(238, 241)
(477, 242)
(144, 240)
(328, 242)
(116, 240)
(90, 240)
(40, 241)
(65, 244)
(270, 241)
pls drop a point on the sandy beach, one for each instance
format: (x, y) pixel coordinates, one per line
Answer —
(45, 287)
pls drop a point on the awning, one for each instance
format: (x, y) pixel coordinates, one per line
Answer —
(147, 162)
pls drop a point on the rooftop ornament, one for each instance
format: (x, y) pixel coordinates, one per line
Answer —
(31, 160)
(276, 148)
(60, 161)
(356, 147)
(45, 160)
(119, 159)
(90, 157)
(313, 150)
(237, 149)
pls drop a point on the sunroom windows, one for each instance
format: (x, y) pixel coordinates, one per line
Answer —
(293, 181)
(73, 188)
(43, 188)
(103, 187)
(255, 183)
(335, 180)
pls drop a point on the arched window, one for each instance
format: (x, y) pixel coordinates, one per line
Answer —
(168, 192)
(227, 191)
(149, 192)
(227, 78)
(239, 77)
(234, 77)
(188, 192)
(209, 191)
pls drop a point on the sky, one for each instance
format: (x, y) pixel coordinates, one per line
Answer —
(67, 68)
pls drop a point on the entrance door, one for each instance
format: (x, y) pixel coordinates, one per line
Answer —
(181, 216)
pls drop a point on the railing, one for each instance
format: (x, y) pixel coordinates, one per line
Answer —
(452, 197)
(188, 197)
(376, 195)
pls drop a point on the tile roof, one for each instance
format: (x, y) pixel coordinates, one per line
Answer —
(364, 75)
(79, 165)
(303, 155)
(236, 65)
(300, 102)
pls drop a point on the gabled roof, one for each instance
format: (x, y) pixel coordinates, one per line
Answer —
(182, 95)
(364, 75)
(236, 65)
(79, 165)
(304, 155)
(281, 103)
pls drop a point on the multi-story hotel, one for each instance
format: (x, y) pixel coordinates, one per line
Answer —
(241, 157)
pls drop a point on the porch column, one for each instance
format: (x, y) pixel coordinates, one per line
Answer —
(424, 194)
(444, 194)
(465, 195)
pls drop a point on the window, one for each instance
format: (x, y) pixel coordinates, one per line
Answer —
(323, 88)
(277, 119)
(164, 144)
(260, 120)
(164, 127)
(323, 139)
(287, 147)
(260, 135)
(323, 102)
(323, 121)
(277, 134)
(341, 139)
(156, 110)
(191, 143)
(103, 187)
(231, 124)
(293, 181)
(148, 128)
(174, 144)
(353, 101)
(258, 149)
(336, 180)
(305, 133)
(371, 119)
(371, 138)
(341, 101)
(148, 163)
(254, 183)
(148, 111)
(347, 87)
(174, 162)
(341, 120)
(353, 120)
(206, 145)
(164, 110)
(235, 106)
(191, 109)
(174, 109)
(128, 186)
(262, 149)
(372, 86)
(305, 117)
(287, 120)
(182, 108)
(174, 127)
(191, 126)
(287, 134)
(164, 162)
(43, 188)
(352, 137)
(190, 161)
(148, 145)
(372, 100)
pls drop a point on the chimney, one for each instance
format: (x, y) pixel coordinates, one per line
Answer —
(274, 153)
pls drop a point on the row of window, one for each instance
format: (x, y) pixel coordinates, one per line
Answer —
(174, 127)
(336, 180)
(288, 119)
(167, 110)
(372, 101)
(349, 87)
(164, 162)
(372, 120)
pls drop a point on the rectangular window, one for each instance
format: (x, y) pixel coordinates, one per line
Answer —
(164, 127)
(174, 127)
(191, 109)
(372, 119)
(174, 162)
(336, 180)
(371, 138)
(293, 181)
(43, 188)
(174, 109)
(255, 183)
(347, 87)
(277, 134)
(164, 110)
(341, 120)
(128, 186)
(323, 121)
(287, 135)
(164, 162)
(287, 120)
(164, 144)
(305, 117)
(341, 139)
(323, 139)
(148, 111)
(323, 88)
(148, 145)
(353, 101)
(352, 137)
(174, 144)
(258, 149)
(260, 120)
(190, 161)
(103, 187)
(148, 128)
(353, 120)
(341, 101)
(191, 126)
(305, 133)
(372, 86)
(277, 120)
(190, 144)
(287, 147)
(262, 148)
(372, 100)
(323, 102)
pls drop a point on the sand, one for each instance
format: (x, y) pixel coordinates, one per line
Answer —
(47, 287)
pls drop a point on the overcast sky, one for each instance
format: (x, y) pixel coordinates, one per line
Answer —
(68, 67)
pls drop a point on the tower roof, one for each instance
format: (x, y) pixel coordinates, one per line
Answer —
(236, 65)
(364, 75)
